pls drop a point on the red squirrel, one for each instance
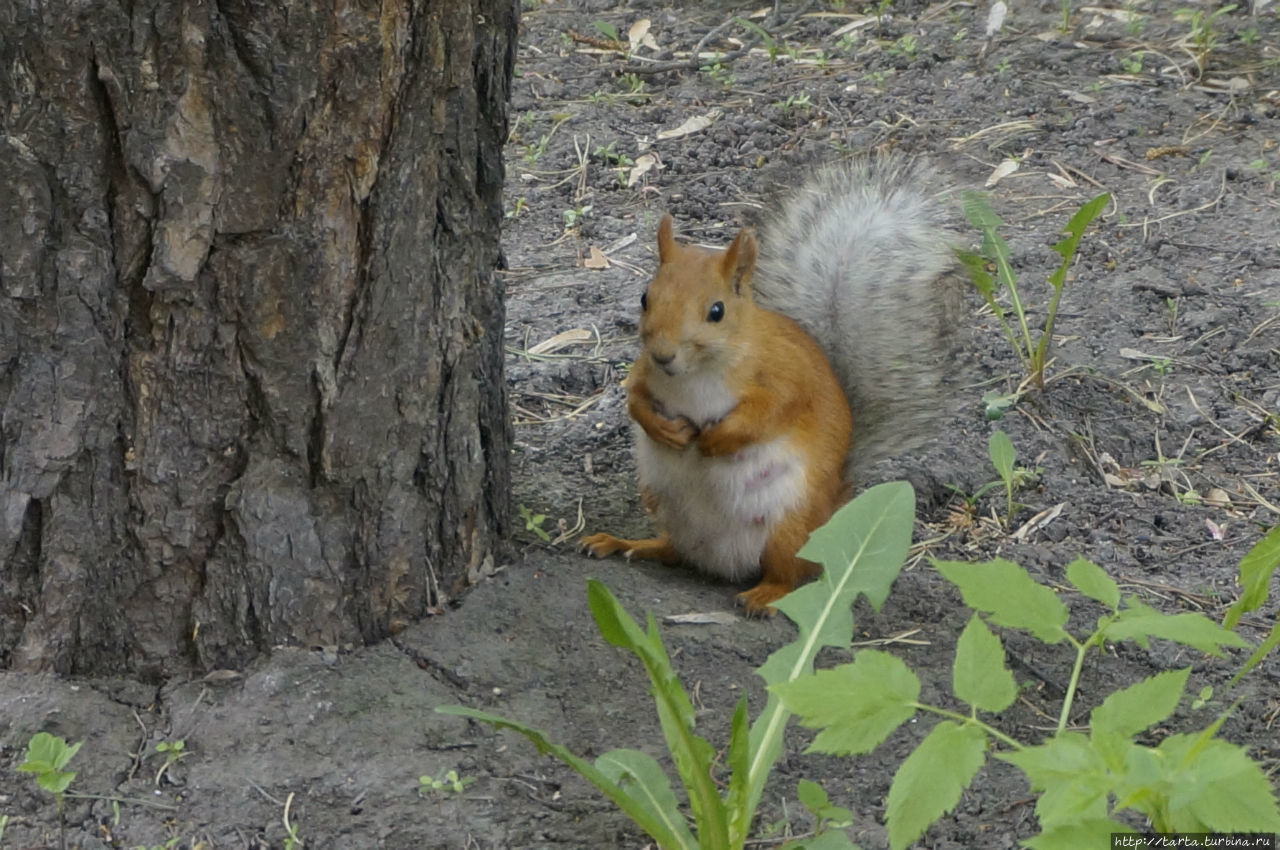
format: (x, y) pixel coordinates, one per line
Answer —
(743, 430)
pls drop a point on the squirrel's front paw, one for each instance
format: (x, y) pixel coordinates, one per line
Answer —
(672, 433)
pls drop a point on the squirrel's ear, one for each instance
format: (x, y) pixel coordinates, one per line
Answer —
(666, 239)
(739, 262)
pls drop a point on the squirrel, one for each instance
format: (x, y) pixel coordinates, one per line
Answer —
(771, 374)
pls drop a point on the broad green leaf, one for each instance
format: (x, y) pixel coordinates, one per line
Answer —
(1216, 787)
(1139, 622)
(1071, 776)
(1000, 450)
(657, 828)
(980, 677)
(615, 625)
(45, 752)
(855, 705)
(641, 778)
(693, 755)
(815, 799)
(1009, 595)
(812, 796)
(1091, 580)
(1131, 710)
(976, 265)
(863, 545)
(929, 783)
(981, 216)
(1263, 650)
(738, 758)
(55, 781)
(861, 549)
(1088, 833)
(1075, 229)
(1255, 576)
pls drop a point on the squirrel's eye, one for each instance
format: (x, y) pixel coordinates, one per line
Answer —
(644, 300)
(716, 313)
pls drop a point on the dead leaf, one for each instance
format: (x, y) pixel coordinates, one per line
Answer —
(1216, 531)
(596, 259)
(705, 618)
(1002, 171)
(694, 124)
(644, 164)
(1039, 521)
(1218, 498)
(564, 339)
(639, 36)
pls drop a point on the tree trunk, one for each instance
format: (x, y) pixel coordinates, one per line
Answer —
(250, 335)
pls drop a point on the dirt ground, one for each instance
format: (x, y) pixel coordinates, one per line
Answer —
(1157, 435)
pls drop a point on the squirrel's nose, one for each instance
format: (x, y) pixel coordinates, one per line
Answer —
(662, 359)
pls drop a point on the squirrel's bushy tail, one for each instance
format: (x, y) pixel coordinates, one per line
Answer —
(861, 258)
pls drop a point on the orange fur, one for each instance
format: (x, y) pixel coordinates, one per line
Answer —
(742, 427)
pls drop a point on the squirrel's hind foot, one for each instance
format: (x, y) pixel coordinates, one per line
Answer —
(758, 600)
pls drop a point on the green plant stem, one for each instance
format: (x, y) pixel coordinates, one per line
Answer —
(1069, 699)
(969, 720)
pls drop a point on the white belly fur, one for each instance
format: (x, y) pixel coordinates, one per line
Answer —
(720, 512)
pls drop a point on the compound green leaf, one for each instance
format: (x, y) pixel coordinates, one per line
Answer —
(980, 677)
(855, 705)
(1091, 580)
(1139, 622)
(1069, 774)
(1007, 593)
(1088, 833)
(1256, 570)
(929, 783)
(1130, 710)
(1216, 787)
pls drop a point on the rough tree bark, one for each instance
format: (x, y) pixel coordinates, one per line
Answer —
(250, 336)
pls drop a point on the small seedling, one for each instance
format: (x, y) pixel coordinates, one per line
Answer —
(1203, 35)
(719, 72)
(173, 752)
(449, 782)
(168, 845)
(1000, 450)
(573, 217)
(1132, 64)
(1004, 66)
(520, 207)
(607, 30)
(1033, 355)
(800, 102)
(533, 522)
(47, 755)
(770, 45)
(291, 841)
(904, 47)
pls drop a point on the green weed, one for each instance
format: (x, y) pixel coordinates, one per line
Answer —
(863, 549)
(533, 522)
(1083, 780)
(1034, 355)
